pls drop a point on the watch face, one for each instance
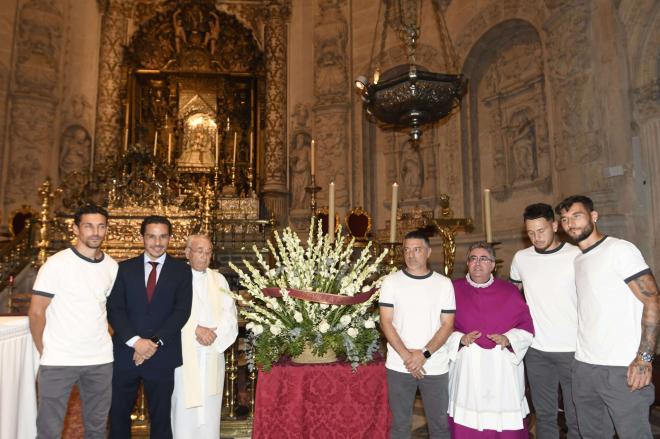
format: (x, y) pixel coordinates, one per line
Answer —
(646, 356)
(427, 354)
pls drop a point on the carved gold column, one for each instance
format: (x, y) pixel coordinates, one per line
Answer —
(113, 36)
(275, 35)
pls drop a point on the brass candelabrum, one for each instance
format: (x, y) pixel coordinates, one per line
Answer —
(312, 189)
(391, 253)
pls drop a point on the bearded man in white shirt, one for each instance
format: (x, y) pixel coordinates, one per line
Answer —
(211, 329)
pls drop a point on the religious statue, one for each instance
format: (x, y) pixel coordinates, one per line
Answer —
(198, 141)
(179, 32)
(523, 148)
(300, 170)
(412, 174)
(212, 36)
(75, 150)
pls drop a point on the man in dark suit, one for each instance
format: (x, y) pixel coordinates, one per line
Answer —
(149, 304)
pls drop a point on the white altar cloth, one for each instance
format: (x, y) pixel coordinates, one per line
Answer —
(19, 362)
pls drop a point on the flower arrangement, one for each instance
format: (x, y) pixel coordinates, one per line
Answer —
(315, 296)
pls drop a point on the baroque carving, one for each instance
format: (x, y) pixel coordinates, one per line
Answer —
(300, 161)
(39, 46)
(332, 139)
(75, 150)
(330, 38)
(411, 172)
(571, 77)
(188, 35)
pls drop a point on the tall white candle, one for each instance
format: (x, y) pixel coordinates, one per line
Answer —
(234, 159)
(155, 142)
(169, 148)
(313, 154)
(251, 148)
(217, 149)
(331, 213)
(395, 205)
(487, 216)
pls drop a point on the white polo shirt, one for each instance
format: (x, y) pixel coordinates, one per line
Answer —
(609, 314)
(418, 302)
(76, 332)
(548, 278)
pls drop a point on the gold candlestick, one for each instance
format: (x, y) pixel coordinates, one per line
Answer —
(312, 189)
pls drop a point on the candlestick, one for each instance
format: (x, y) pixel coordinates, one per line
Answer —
(234, 158)
(126, 127)
(487, 216)
(395, 203)
(313, 158)
(331, 213)
(155, 143)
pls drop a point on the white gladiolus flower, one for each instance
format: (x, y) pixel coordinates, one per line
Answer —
(369, 324)
(275, 329)
(324, 306)
(249, 325)
(352, 332)
(257, 329)
(323, 327)
(345, 319)
(298, 317)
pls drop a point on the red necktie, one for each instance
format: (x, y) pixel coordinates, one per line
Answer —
(151, 282)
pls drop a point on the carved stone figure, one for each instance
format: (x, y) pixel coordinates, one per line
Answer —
(179, 33)
(412, 171)
(300, 170)
(75, 149)
(524, 149)
(212, 36)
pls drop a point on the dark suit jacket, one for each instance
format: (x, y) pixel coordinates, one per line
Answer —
(130, 314)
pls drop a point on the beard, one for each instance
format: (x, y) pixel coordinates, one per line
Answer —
(93, 242)
(588, 229)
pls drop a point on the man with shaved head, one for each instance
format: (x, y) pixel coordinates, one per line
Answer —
(211, 329)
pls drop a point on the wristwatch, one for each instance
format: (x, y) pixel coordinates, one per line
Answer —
(157, 340)
(426, 353)
(646, 356)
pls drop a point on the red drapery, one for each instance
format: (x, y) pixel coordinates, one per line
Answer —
(322, 401)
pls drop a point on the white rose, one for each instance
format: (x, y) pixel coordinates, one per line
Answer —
(298, 317)
(369, 324)
(345, 319)
(352, 332)
(257, 329)
(323, 327)
(275, 329)
(249, 326)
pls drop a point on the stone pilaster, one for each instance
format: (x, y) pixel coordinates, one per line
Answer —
(108, 122)
(275, 36)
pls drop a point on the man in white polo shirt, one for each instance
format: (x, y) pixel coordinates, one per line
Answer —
(618, 320)
(417, 309)
(69, 327)
(545, 272)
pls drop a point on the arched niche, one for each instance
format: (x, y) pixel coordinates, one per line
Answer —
(504, 126)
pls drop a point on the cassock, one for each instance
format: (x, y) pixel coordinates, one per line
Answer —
(486, 382)
(198, 384)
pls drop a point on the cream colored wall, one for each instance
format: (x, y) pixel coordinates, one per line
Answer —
(48, 84)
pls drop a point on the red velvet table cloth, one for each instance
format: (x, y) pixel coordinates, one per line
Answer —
(322, 401)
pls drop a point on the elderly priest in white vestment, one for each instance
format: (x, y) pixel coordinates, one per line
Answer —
(211, 329)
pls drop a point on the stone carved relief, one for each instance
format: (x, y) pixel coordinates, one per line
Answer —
(30, 132)
(514, 125)
(330, 38)
(330, 129)
(75, 150)
(571, 77)
(411, 171)
(39, 46)
(300, 161)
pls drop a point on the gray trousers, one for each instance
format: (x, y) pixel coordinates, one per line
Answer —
(546, 371)
(603, 389)
(55, 383)
(401, 390)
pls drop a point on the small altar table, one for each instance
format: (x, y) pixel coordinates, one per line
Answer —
(322, 401)
(19, 362)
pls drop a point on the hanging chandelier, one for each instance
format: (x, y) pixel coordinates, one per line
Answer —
(410, 95)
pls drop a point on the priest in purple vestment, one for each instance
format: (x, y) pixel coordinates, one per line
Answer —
(492, 331)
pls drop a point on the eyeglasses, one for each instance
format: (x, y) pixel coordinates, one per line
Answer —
(480, 259)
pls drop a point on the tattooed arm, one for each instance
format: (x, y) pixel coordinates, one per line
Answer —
(646, 290)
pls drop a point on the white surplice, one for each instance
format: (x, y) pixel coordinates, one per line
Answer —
(487, 386)
(198, 384)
